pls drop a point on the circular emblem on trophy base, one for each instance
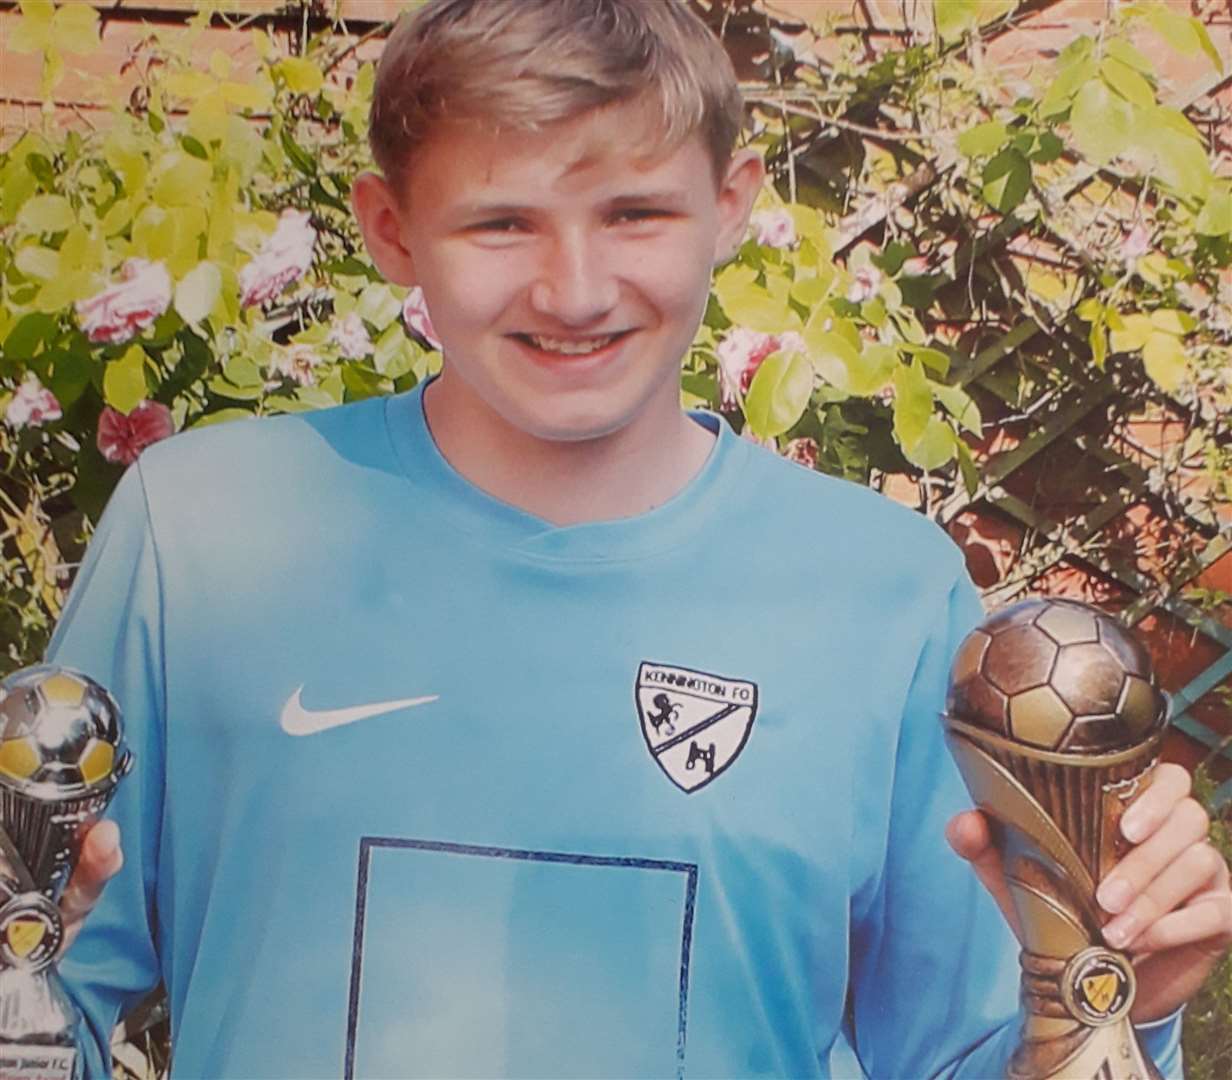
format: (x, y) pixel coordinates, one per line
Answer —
(1098, 986)
(30, 932)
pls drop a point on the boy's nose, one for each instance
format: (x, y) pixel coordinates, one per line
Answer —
(575, 284)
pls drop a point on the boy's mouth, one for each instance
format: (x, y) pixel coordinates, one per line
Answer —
(570, 346)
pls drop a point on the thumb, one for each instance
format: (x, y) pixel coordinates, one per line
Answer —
(971, 839)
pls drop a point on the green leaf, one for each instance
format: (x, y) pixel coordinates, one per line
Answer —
(75, 27)
(1176, 30)
(1060, 93)
(300, 157)
(933, 359)
(1164, 358)
(198, 291)
(1137, 328)
(302, 76)
(983, 139)
(960, 405)
(1173, 321)
(33, 32)
(29, 332)
(46, 214)
(833, 357)
(363, 382)
(124, 380)
(70, 375)
(227, 389)
(871, 369)
(913, 403)
(378, 305)
(811, 291)
(1090, 309)
(1182, 164)
(1216, 216)
(966, 465)
(934, 447)
(1097, 338)
(778, 394)
(1047, 148)
(1207, 45)
(392, 354)
(1007, 179)
(221, 416)
(180, 180)
(38, 262)
(746, 303)
(1102, 122)
(954, 18)
(1120, 49)
(1127, 82)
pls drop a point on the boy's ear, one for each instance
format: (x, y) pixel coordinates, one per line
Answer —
(737, 193)
(380, 220)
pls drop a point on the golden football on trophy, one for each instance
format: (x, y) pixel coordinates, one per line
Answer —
(1055, 719)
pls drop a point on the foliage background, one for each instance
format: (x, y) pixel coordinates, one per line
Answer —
(980, 251)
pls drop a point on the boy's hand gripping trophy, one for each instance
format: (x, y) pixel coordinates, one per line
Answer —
(61, 755)
(1055, 719)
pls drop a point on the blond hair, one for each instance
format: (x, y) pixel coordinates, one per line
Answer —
(524, 64)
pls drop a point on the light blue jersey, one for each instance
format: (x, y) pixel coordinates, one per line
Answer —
(426, 786)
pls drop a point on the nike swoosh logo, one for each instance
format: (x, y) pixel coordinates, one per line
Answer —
(297, 720)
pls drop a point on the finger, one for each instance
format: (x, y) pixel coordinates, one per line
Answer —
(1194, 871)
(1207, 921)
(1169, 785)
(1186, 824)
(968, 834)
(100, 860)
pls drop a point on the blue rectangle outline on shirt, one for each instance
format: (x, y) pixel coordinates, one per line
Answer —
(368, 843)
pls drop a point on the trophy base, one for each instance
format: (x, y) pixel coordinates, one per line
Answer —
(38, 1027)
(33, 1062)
(1105, 1053)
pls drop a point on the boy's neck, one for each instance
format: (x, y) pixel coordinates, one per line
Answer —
(629, 472)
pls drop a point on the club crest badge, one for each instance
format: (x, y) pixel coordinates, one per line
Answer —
(695, 724)
(1098, 986)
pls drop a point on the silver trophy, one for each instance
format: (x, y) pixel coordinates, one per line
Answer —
(62, 753)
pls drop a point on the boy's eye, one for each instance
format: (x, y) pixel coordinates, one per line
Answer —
(499, 225)
(640, 213)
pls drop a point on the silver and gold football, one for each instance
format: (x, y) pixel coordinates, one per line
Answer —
(61, 735)
(1057, 675)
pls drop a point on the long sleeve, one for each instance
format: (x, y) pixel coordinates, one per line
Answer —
(935, 979)
(111, 630)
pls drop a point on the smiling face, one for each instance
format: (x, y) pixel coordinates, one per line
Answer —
(566, 270)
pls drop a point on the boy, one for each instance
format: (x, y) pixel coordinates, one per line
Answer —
(461, 751)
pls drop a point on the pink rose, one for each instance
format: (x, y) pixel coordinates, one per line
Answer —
(122, 438)
(774, 228)
(351, 337)
(284, 257)
(415, 316)
(126, 308)
(803, 452)
(1137, 242)
(297, 362)
(32, 406)
(741, 353)
(865, 283)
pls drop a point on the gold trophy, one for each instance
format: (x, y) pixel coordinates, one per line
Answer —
(62, 754)
(1055, 720)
